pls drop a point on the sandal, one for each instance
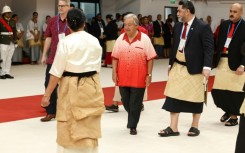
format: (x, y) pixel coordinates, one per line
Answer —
(168, 132)
(193, 132)
(225, 117)
(231, 122)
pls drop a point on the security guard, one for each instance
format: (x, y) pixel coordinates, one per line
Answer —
(8, 40)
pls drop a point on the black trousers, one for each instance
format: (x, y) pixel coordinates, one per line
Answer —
(159, 50)
(132, 99)
(240, 145)
(51, 108)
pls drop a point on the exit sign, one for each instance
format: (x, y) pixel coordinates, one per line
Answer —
(172, 1)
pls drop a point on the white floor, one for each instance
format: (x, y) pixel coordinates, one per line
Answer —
(33, 136)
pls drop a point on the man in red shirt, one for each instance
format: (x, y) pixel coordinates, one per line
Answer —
(56, 30)
(132, 64)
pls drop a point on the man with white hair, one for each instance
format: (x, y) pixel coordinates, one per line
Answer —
(132, 64)
(8, 39)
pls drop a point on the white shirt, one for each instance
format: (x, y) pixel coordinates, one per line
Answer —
(44, 27)
(78, 52)
(188, 26)
(19, 27)
(31, 26)
(187, 31)
(119, 24)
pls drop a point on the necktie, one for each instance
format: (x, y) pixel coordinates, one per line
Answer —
(184, 31)
(184, 34)
(230, 34)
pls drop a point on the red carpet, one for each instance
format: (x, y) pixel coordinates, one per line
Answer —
(29, 107)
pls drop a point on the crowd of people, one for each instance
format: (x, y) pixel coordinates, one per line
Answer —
(74, 54)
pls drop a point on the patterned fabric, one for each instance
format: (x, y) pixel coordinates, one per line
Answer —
(242, 109)
(183, 86)
(31, 43)
(226, 79)
(158, 41)
(79, 108)
(109, 45)
(61, 149)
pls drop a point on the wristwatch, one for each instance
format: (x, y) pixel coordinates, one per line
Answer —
(149, 75)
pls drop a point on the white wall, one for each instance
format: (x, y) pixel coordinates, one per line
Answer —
(108, 7)
(24, 12)
(122, 6)
(5, 2)
(25, 8)
(44, 8)
(154, 7)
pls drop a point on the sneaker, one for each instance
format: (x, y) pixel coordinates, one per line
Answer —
(142, 107)
(112, 108)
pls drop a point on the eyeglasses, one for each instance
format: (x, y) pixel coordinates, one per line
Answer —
(62, 6)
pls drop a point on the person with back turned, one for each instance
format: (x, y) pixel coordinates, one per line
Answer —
(80, 104)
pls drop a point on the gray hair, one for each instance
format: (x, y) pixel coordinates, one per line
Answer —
(136, 21)
(67, 1)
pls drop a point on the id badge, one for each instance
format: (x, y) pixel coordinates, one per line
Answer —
(227, 43)
(61, 36)
(181, 44)
(102, 30)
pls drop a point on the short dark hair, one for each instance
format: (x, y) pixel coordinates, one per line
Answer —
(14, 15)
(187, 5)
(109, 16)
(34, 13)
(75, 19)
(72, 5)
(48, 16)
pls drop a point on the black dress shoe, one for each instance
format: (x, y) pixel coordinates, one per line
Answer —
(133, 131)
(2, 77)
(9, 76)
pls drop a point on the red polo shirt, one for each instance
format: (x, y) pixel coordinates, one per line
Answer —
(132, 59)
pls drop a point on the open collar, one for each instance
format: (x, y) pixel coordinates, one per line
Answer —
(137, 37)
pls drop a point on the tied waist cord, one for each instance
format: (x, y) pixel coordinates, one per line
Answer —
(80, 75)
(179, 62)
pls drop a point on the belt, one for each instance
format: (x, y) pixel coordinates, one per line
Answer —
(80, 75)
(6, 33)
(224, 55)
(179, 62)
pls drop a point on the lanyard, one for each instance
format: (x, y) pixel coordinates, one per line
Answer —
(235, 29)
(58, 25)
